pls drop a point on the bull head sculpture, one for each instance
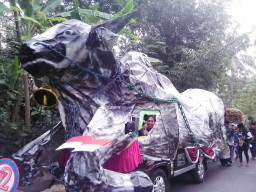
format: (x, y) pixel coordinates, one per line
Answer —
(74, 49)
(71, 42)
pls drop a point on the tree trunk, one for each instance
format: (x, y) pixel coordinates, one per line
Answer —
(25, 78)
(231, 93)
(27, 101)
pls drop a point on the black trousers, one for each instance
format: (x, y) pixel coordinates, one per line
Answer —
(225, 162)
(244, 148)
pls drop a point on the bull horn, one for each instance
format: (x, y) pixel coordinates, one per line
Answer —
(115, 25)
(45, 96)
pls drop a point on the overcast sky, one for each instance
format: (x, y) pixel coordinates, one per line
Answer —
(243, 11)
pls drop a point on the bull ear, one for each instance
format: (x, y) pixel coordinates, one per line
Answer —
(104, 34)
(101, 38)
(115, 25)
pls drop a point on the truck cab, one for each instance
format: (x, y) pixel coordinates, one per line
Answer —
(162, 169)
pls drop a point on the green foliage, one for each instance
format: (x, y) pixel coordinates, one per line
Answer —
(16, 9)
(9, 72)
(93, 16)
(45, 22)
(50, 7)
(65, 14)
(41, 17)
(13, 134)
(94, 6)
(4, 9)
(127, 9)
(31, 20)
(56, 20)
(75, 12)
(27, 6)
(14, 73)
(195, 47)
(129, 33)
(41, 110)
(110, 6)
(246, 98)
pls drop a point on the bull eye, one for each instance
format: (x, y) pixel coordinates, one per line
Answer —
(69, 32)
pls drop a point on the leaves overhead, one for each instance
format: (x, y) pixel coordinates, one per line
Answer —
(190, 38)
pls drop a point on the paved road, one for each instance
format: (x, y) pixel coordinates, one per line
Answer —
(220, 179)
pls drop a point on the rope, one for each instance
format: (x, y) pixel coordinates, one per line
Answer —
(72, 128)
(50, 160)
(189, 128)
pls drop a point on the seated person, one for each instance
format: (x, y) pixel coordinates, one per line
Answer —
(147, 125)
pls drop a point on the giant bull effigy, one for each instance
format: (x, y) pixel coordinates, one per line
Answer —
(98, 94)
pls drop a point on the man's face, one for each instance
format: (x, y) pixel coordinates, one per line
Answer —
(150, 122)
(253, 126)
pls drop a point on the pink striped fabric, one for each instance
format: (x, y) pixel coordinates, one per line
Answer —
(126, 161)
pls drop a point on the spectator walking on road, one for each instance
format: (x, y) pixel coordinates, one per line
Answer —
(235, 143)
(230, 138)
(242, 140)
(225, 157)
(253, 143)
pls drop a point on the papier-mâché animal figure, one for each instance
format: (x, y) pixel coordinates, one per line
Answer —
(99, 93)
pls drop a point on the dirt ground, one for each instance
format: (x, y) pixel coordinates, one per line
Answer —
(56, 188)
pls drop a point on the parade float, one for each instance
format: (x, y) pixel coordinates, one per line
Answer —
(100, 94)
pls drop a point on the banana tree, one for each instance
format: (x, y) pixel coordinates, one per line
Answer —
(24, 77)
(92, 15)
(33, 18)
(35, 15)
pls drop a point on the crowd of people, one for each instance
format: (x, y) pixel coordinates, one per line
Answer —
(241, 141)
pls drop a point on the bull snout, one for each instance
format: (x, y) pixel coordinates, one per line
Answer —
(40, 57)
(26, 53)
(32, 50)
